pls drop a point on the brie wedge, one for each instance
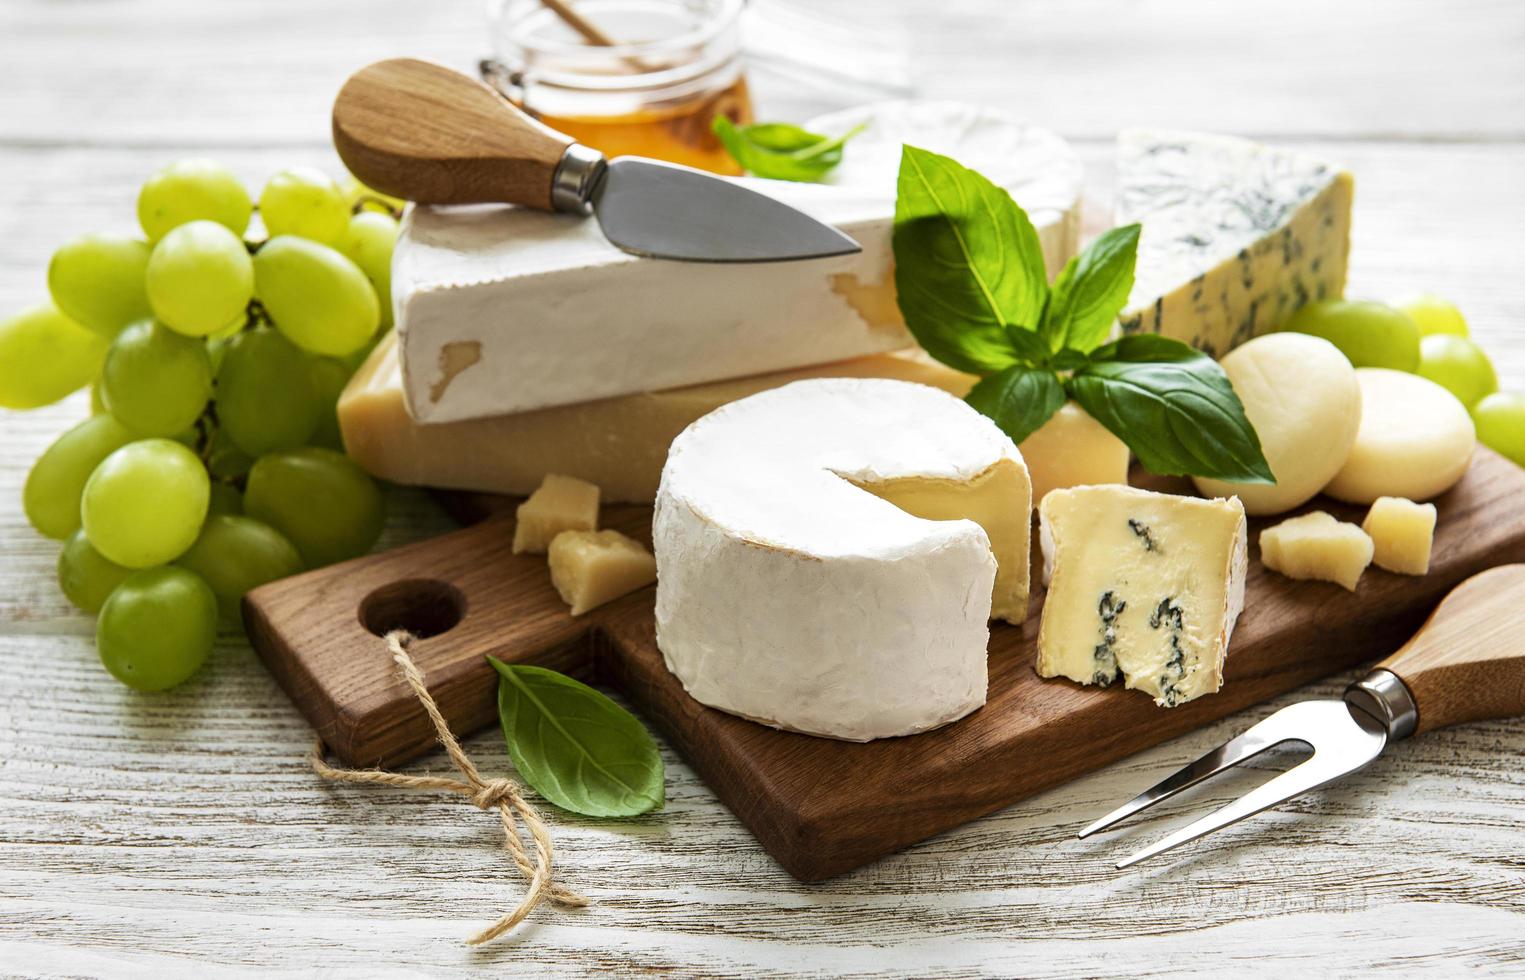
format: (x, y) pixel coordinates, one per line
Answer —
(1142, 584)
(791, 588)
(503, 309)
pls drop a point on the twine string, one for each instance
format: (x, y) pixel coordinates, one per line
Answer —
(486, 794)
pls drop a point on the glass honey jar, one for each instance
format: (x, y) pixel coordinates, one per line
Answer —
(671, 67)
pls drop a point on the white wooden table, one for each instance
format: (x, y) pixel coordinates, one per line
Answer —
(183, 835)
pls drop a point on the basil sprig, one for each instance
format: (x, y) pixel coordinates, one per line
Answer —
(971, 284)
(781, 151)
(575, 746)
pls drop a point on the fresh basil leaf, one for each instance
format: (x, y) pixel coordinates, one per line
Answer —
(1173, 406)
(1028, 346)
(781, 151)
(1019, 399)
(1091, 291)
(576, 747)
(1068, 359)
(967, 263)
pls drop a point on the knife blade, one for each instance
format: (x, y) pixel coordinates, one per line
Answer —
(426, 133)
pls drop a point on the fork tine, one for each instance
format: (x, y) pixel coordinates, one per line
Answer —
(1258, 738)
(1313, 773)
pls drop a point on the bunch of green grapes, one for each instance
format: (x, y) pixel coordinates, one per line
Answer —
(1426, 335)
(212, 460)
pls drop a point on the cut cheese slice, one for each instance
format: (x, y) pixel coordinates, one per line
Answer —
(506, 309)
(791, 588)
(1235, 236)
(590, 568)
(1402, 534)
(620, 444)
(1317, 546)
(1415, 440)
(561, 503)
(1144, 584)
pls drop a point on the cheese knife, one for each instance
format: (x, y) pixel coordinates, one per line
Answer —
(425, 133)
(1466, 663)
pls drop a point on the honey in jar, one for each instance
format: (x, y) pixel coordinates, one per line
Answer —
(675, 66)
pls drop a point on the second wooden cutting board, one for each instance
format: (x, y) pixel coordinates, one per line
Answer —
(820, 807)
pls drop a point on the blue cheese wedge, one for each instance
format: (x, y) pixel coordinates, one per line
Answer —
(1236, 235)
(1143, 585)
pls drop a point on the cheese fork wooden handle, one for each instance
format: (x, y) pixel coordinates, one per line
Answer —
(1467, 663)
(425, 133)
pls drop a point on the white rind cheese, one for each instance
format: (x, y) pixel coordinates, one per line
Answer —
(1037, 166)
(1236, 235)
(789, 594)
(1142, 584)
(503, 309)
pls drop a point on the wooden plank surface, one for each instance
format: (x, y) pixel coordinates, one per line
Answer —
(180, 835)
(468, 597)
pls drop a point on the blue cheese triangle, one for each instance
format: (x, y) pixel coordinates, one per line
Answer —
(1143, 585)
(1235, 236)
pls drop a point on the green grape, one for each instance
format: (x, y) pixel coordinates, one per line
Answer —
(157, 628)
(368, 243)
(1500, 420)
(86, 576)
(361, 197)
(265, 394)
(235, 554)
(304, 201)
(57, 481)
(225, 460)
(1432, 314)
(200, 278)
(315, 296)
(97, 281)
(1458, 365)
(145, 503)
(97, 402)
(156, 382)
(193, 190)
(321, 501)
(1370, 334)
(329, 376)
(44, 356)
(224, 499)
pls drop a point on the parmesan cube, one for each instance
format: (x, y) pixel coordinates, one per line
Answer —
(562, 503)
(1316, 546)
(590, 568)
(1401, 534)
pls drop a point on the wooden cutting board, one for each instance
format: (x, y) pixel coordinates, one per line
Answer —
(821, 807)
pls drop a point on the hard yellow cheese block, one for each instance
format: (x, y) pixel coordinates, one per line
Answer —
(590, 568)
(1402, 533)
(620, 444)
(1317, 546)
(562, 503)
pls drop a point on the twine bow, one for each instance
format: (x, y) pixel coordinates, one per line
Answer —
(504, 794)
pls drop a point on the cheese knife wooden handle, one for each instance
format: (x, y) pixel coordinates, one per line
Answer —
(1467, 663)
(425, 133)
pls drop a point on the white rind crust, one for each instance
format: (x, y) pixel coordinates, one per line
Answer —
(788, 595)
(502, 309)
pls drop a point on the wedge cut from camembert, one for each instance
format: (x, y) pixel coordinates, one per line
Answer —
(829, 552)
(1236, 235)
(1142, 584)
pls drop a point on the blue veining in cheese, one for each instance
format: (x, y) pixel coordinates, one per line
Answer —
(1236, 235)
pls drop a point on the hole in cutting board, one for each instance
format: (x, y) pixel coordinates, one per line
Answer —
(424, 607)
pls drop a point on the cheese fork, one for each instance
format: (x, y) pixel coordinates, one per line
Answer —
(1466, 663)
